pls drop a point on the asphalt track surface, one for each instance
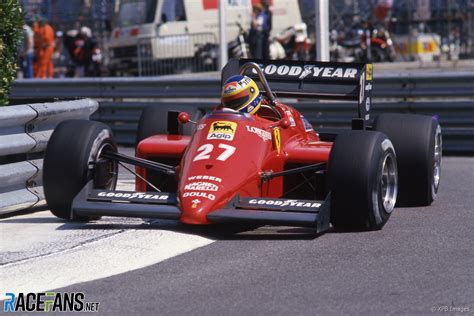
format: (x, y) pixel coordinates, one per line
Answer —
(422, 262)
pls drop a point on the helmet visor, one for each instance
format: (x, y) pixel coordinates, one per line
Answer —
(236, 102)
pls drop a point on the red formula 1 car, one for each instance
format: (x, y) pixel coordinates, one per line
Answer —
(268, 168)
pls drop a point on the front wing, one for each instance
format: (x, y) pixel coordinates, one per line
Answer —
(262, 211)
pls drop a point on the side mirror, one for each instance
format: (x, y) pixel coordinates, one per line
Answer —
(284, 123)
(183, 118)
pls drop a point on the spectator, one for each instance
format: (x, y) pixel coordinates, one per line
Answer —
(85, 54)
(44, 49)
(69, 44)
(267, 28)
(256, 32)
(26, 52)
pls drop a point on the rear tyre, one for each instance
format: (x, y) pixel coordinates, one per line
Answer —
(362, 174)
(69, 163)
(418, 143)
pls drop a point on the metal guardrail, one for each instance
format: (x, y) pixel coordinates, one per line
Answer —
(449, 95)
(411, 85)
(24, 133)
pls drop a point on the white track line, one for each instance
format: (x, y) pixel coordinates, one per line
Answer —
(105, 257)
(40, 253)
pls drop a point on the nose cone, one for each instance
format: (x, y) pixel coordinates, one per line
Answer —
(223, 159)
(199, 196)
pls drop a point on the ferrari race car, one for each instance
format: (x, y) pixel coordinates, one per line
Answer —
(271, 168)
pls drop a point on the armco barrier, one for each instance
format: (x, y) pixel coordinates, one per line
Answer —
(24, 133)
(448, 95)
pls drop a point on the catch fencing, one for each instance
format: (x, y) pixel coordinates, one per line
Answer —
(447, 95)
(177, 54)
(24, 134)
(163, 55)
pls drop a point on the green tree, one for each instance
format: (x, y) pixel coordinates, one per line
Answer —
(11, 22)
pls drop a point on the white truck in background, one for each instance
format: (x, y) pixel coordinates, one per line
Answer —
(168, 36)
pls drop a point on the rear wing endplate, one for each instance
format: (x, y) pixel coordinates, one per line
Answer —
(310, 79)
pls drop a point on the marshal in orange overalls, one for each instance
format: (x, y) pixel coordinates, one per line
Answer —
(44, 49)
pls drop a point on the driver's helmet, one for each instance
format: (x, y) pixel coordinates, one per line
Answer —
(240, 93)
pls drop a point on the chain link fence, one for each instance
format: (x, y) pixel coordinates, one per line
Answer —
(176, 54)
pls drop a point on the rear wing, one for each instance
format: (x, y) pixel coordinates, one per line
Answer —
(310, 79)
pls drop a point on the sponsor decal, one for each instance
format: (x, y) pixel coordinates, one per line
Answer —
(222, 130)
(205, 195)
(386, 144)
(209, 178)
(276, 139)
(244, 81)
(195, 203)
(307, 125)
(283, 203)
(361, 92)
(260, 132)
(200, 127)
(368, 86)
(290, 117)
(367, 104)
(230, 87)
(369, 71)
(309, 71)
(48, 302)
(135, 195)
(201, 186)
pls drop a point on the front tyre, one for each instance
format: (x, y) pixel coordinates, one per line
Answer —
(71, 160)
(363, 180)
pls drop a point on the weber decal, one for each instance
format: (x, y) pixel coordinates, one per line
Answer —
(260, 132)
(222, 130)
(201, 186)
(205, 177)
(308, 71)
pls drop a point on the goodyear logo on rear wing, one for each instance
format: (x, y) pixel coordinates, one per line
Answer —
(222, 130)
(307, 71)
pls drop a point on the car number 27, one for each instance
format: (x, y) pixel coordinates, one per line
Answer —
(206, 150)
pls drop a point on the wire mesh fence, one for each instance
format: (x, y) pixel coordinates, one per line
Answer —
(176, 54)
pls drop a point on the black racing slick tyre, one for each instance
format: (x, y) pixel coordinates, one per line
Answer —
(418, 143)
(154, 120)
(71, 160)
(362, 174)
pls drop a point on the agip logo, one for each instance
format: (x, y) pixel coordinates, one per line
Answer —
(222, 130)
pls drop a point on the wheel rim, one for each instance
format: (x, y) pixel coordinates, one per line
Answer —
(389, 183)
(437, 158)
